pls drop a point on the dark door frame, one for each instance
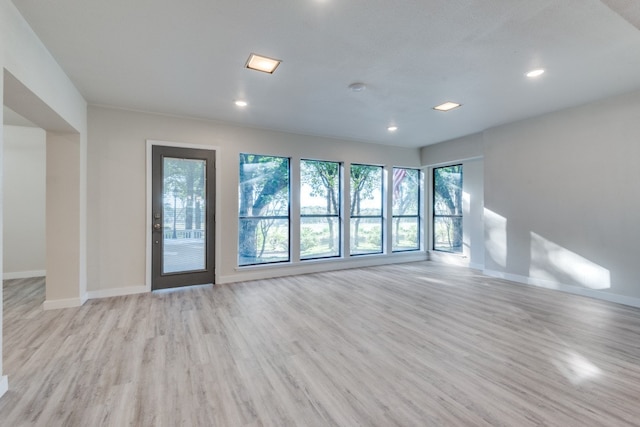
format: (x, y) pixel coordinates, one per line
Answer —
(149, 208)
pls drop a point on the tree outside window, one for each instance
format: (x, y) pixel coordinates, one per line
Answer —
(263, 194)
(447, 208)
(406, 210)
(366, 209)
(319, 209)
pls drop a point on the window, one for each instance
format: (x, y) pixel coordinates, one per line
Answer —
(366, 209)
(319, 209)
(406, 210)
(263, 232)
(447, 208)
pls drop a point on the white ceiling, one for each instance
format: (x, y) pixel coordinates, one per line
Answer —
(187, 58)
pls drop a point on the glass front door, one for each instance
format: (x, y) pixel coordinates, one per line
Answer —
(182, 202)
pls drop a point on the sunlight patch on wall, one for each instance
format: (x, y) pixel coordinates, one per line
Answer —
(496, 237)
(466, 203)
(466, 212)
(550, 261)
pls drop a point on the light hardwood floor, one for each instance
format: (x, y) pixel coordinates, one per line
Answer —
(417, 344)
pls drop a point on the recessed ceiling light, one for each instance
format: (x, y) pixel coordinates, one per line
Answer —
(262, 63)
(447, 106)
(535, 73)
(357, 87)
(241, 103)
(392, 128)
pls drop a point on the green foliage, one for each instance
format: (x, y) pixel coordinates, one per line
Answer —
(184, 180)
(374, 237)
(365, 181)
(448, 201)
(324, 180)
(264, 181)
(183, 176)
(263, 192)
(308, 240)
(448, 190)
(406, 193)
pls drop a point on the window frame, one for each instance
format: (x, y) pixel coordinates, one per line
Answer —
(263, 217)
(338, 215)
(433, 210)
(417, 216)
(381, 216)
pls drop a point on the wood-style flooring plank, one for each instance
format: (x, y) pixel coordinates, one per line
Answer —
(416, 344)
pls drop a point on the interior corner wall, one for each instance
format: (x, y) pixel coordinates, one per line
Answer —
(27, 60)
(473, 214)
(4, 384)
(36, 87)
(59, 104)
(453, 151)
(24, 213)
(63, 217)
(562, 199)
(117, 188)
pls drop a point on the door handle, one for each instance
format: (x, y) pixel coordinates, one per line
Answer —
(157, 227)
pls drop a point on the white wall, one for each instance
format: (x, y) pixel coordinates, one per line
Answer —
(34, 86)
(562, 198)
(24, 210)
(63, 217)
(566, 188)
(117, 188)
(4, 380)
(473, 211)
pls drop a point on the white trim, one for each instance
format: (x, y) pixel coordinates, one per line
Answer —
(148, 222)
(24, 274)
(257, 272)
(4, 385)
(218, 229)
(116, 292)
(454, 259)
(449, 258)
(63, 303)
(572, 289)
(452, 162)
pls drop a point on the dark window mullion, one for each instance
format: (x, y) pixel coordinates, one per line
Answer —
(269, 177)
(406, 196)
(258, 218)
(320, 233)
(447, 185)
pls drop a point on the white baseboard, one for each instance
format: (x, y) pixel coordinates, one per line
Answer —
(63, 303)
(103, 293)
(572, 289)
(24, 274)
(450, 259)
(116, 292)
(475, 266)
(318, 266)
(4, 385)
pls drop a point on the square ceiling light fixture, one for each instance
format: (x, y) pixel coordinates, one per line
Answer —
(447, 106)
(262, 63)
